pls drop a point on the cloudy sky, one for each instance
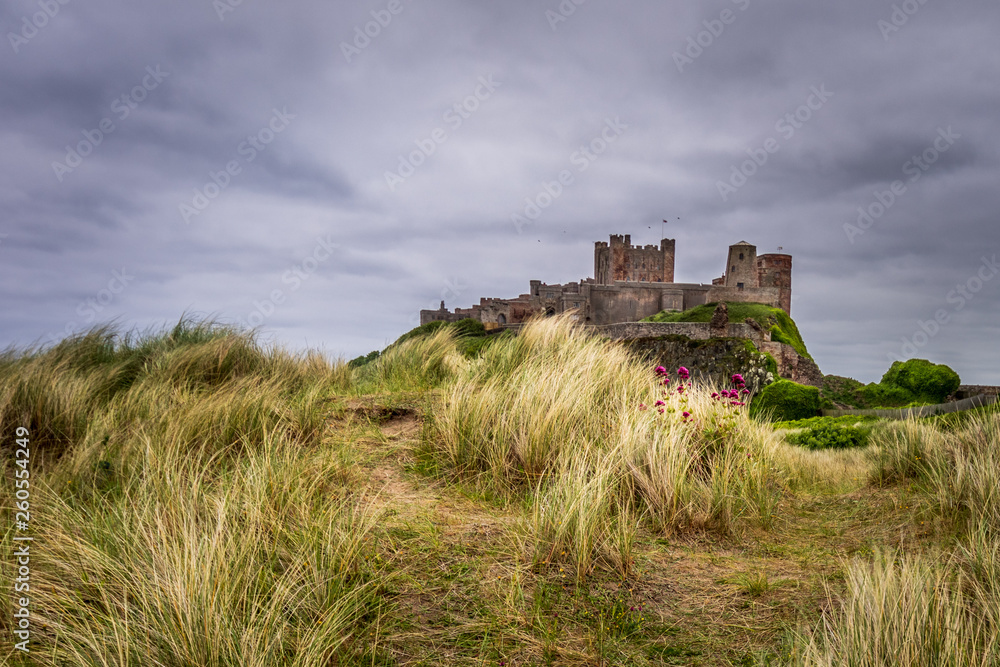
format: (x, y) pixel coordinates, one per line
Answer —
(326, 169)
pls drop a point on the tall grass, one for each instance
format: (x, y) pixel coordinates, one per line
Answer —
(56, 392)
(192, 508)
(907, 611)
(822, 470)
(959, 470)
(265, 565)
(916, 610)
(415, 364)
(572, 419)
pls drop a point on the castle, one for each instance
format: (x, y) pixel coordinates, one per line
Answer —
(633, 282)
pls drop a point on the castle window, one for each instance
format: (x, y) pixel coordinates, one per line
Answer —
(733, 270)
(741, 255)
(501, 319)
(739, 286)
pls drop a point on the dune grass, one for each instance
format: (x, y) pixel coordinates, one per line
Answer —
(189, 512)
(598, 444)
(921, 609)
(208, 500)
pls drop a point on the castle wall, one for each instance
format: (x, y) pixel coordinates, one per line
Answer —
(775, 270)
(635, 282)
(630, 302)
(767, 295)
(693, 330)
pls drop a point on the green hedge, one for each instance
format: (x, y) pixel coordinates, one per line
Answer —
(785, 400)
(905, 384)
(926, 381)
(831, 437)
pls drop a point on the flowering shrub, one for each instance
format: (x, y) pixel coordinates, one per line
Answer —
(720, 458)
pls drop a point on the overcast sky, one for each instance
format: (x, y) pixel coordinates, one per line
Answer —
(274, 164)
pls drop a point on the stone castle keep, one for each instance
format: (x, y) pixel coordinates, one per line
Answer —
(634, 282)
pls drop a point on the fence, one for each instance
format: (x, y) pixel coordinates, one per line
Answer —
(922, 411)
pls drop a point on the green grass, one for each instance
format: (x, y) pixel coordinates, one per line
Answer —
(201, 499)
(777, 321)
(814, 422)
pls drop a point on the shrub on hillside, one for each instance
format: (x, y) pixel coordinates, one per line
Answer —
(785, 400)
(831, 437)
(886, 396)
(925, 380)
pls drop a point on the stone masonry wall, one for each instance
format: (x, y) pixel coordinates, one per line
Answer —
(692, 330)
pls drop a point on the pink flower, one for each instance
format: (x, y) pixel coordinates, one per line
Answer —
(715, 394)
(660, 411)
(737, 378)
(660, 370)
(659, 403)
(745, 392)
(642, 406)
(666, 381)
(683, 373)
(686, 415)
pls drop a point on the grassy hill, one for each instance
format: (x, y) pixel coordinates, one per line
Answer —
(198, 498)
(775, 320)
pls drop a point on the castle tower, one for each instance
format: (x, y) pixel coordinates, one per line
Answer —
(741, 269)
(775, 270)
(619, 260)
(667, 248)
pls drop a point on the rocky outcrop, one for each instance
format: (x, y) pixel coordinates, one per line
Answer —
(793, 366)
(720, 320)
(715, 359)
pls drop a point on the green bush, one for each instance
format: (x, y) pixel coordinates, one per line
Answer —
(831, 437)
(363, 359)
(785, 400)
(886, 396)
(926, 381)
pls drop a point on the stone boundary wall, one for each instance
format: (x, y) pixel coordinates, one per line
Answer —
(693, 330)
(969, 390)
(922, 411)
